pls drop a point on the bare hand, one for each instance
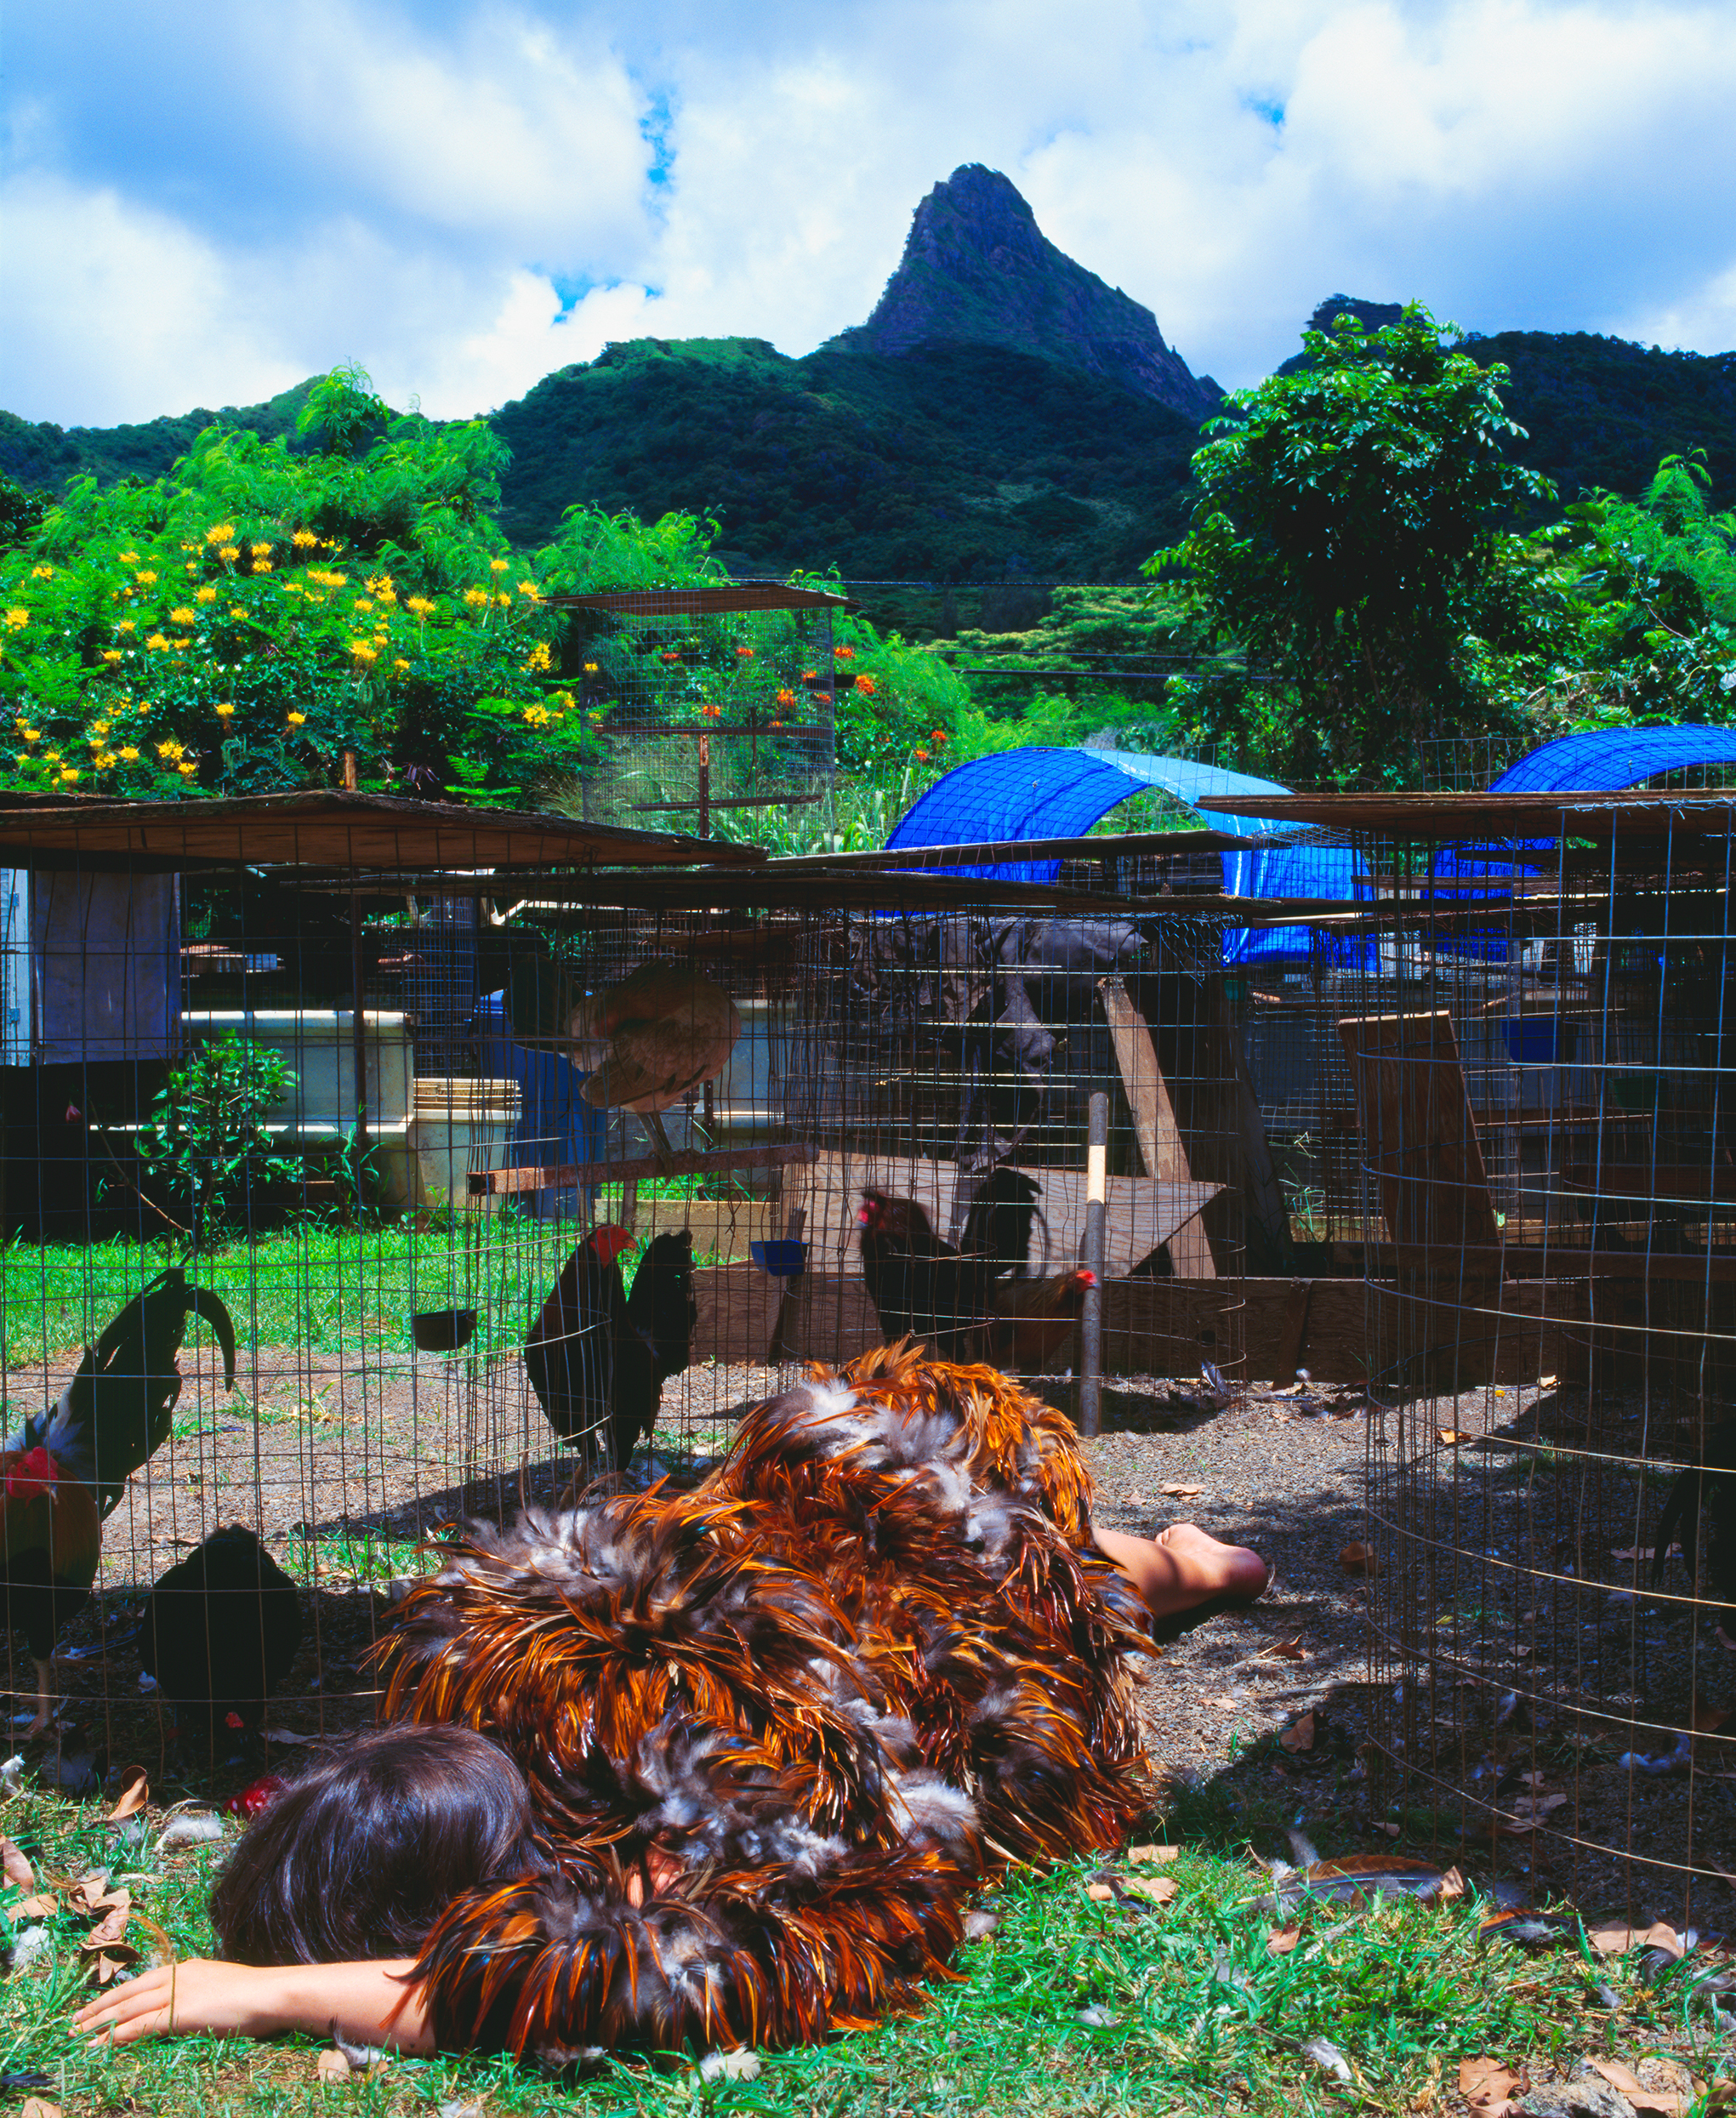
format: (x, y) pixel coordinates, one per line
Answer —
(184, 1999)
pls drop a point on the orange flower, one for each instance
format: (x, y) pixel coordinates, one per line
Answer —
(923, 754)
(786, 698)
(865, 685)
(937, 735)
(746, 653)
(672, 658)
(811, 676)
(843, 654)
(711, 713)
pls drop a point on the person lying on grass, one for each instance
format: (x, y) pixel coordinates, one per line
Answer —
(719, 1767)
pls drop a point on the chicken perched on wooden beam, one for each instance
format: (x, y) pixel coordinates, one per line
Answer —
(777, 1730)
(651, 1040)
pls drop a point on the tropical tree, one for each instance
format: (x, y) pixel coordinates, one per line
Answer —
(1349, 537)
(272, 615)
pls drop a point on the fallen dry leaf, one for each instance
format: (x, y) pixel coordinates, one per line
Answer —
(1100, 1893)
(135, 1792)
(1450, 1437)
(332, 2066)
(1548, 1383)
(14, 1865)
(1452, 1885)
(39, 2107)
(92, 1895)
(37, 1908)
(107, 1961)
(1283, 1651)
(1390, 1830)
(1668, 2102)
(111, 1928)
(1616, 1941)
(1154, 1889)
(1528, 1812)
(1300, 1736)
(1282, 1939)
(1151, 1856)
(1357, 1559)
(1490, 2088)
(1182, 1492)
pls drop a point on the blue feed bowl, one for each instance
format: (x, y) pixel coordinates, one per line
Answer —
(783, 1258)
(1533, 1040)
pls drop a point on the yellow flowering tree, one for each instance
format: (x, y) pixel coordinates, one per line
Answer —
(269, 613)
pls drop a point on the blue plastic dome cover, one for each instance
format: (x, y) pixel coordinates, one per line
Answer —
(1604, 760)
(1044, 793)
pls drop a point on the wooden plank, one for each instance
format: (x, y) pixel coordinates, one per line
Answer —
(564, 1175)
(1161, 1146)
(1420, 1137)
(827, 1316)
(1142, 1215)
(736, 1311)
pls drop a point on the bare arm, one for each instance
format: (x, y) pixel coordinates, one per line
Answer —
(363, 2003)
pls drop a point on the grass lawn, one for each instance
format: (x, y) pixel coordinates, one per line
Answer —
(1070, 2005)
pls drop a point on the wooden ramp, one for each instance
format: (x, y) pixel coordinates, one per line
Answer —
(1141, 1212)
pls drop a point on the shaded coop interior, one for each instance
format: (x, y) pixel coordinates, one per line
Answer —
(1540, 1048)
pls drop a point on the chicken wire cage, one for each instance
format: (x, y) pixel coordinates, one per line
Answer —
(1542, 1043)
(705, 705)
(254, 1281)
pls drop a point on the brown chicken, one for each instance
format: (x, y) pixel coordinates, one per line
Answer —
(778, 1730)
(1034, 1321)
(646, 1042)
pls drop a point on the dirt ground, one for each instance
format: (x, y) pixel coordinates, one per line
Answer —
(1266, 1714)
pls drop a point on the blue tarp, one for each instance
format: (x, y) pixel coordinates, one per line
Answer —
(1602, 759)
(555, 1125)
(1054, 793)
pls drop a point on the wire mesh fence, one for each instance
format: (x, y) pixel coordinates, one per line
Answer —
(1539, 1047)
(368, 1165)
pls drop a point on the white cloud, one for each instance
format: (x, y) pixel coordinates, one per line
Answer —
(345, 180)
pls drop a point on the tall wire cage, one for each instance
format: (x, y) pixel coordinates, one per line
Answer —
(703, 704)
(1541, 1043)
(323, 1139)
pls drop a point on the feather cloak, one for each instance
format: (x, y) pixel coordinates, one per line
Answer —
(777, 1730)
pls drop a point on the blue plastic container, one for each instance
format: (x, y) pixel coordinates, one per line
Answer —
(1539, 1040)
(781, 1256)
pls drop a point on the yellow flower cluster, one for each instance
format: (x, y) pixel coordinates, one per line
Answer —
(207, 594)
(326, 578)
(476, 597)
(183, 616)
(537, 716)
(229, 554)
(539, 657)
(296, 720)
(304, 540)
(365, 651)
(16, 619)
(223, 533)
(421, 606)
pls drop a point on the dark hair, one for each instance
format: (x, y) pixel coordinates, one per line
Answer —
(362, 1854)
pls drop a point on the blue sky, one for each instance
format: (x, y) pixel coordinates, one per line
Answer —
(203, 205)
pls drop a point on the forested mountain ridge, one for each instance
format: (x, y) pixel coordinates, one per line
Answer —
(1041, 448)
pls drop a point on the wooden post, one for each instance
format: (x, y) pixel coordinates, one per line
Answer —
(1260, 1187)
(358, 1041)
(1161, 1146)
(1091, 1310)
(705, 786)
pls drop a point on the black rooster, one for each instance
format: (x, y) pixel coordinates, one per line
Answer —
(118, 1409)
(570, 1354)
(654, 1340)
(1707, 1490)
(221, 1629)
(917, 1283)
(998, 1226)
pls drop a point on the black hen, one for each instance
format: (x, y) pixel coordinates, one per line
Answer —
(997, 1227)
(917, 1283)
(570, 1354)
(221, 1629)
(655, 1338)
(1707, 1489)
